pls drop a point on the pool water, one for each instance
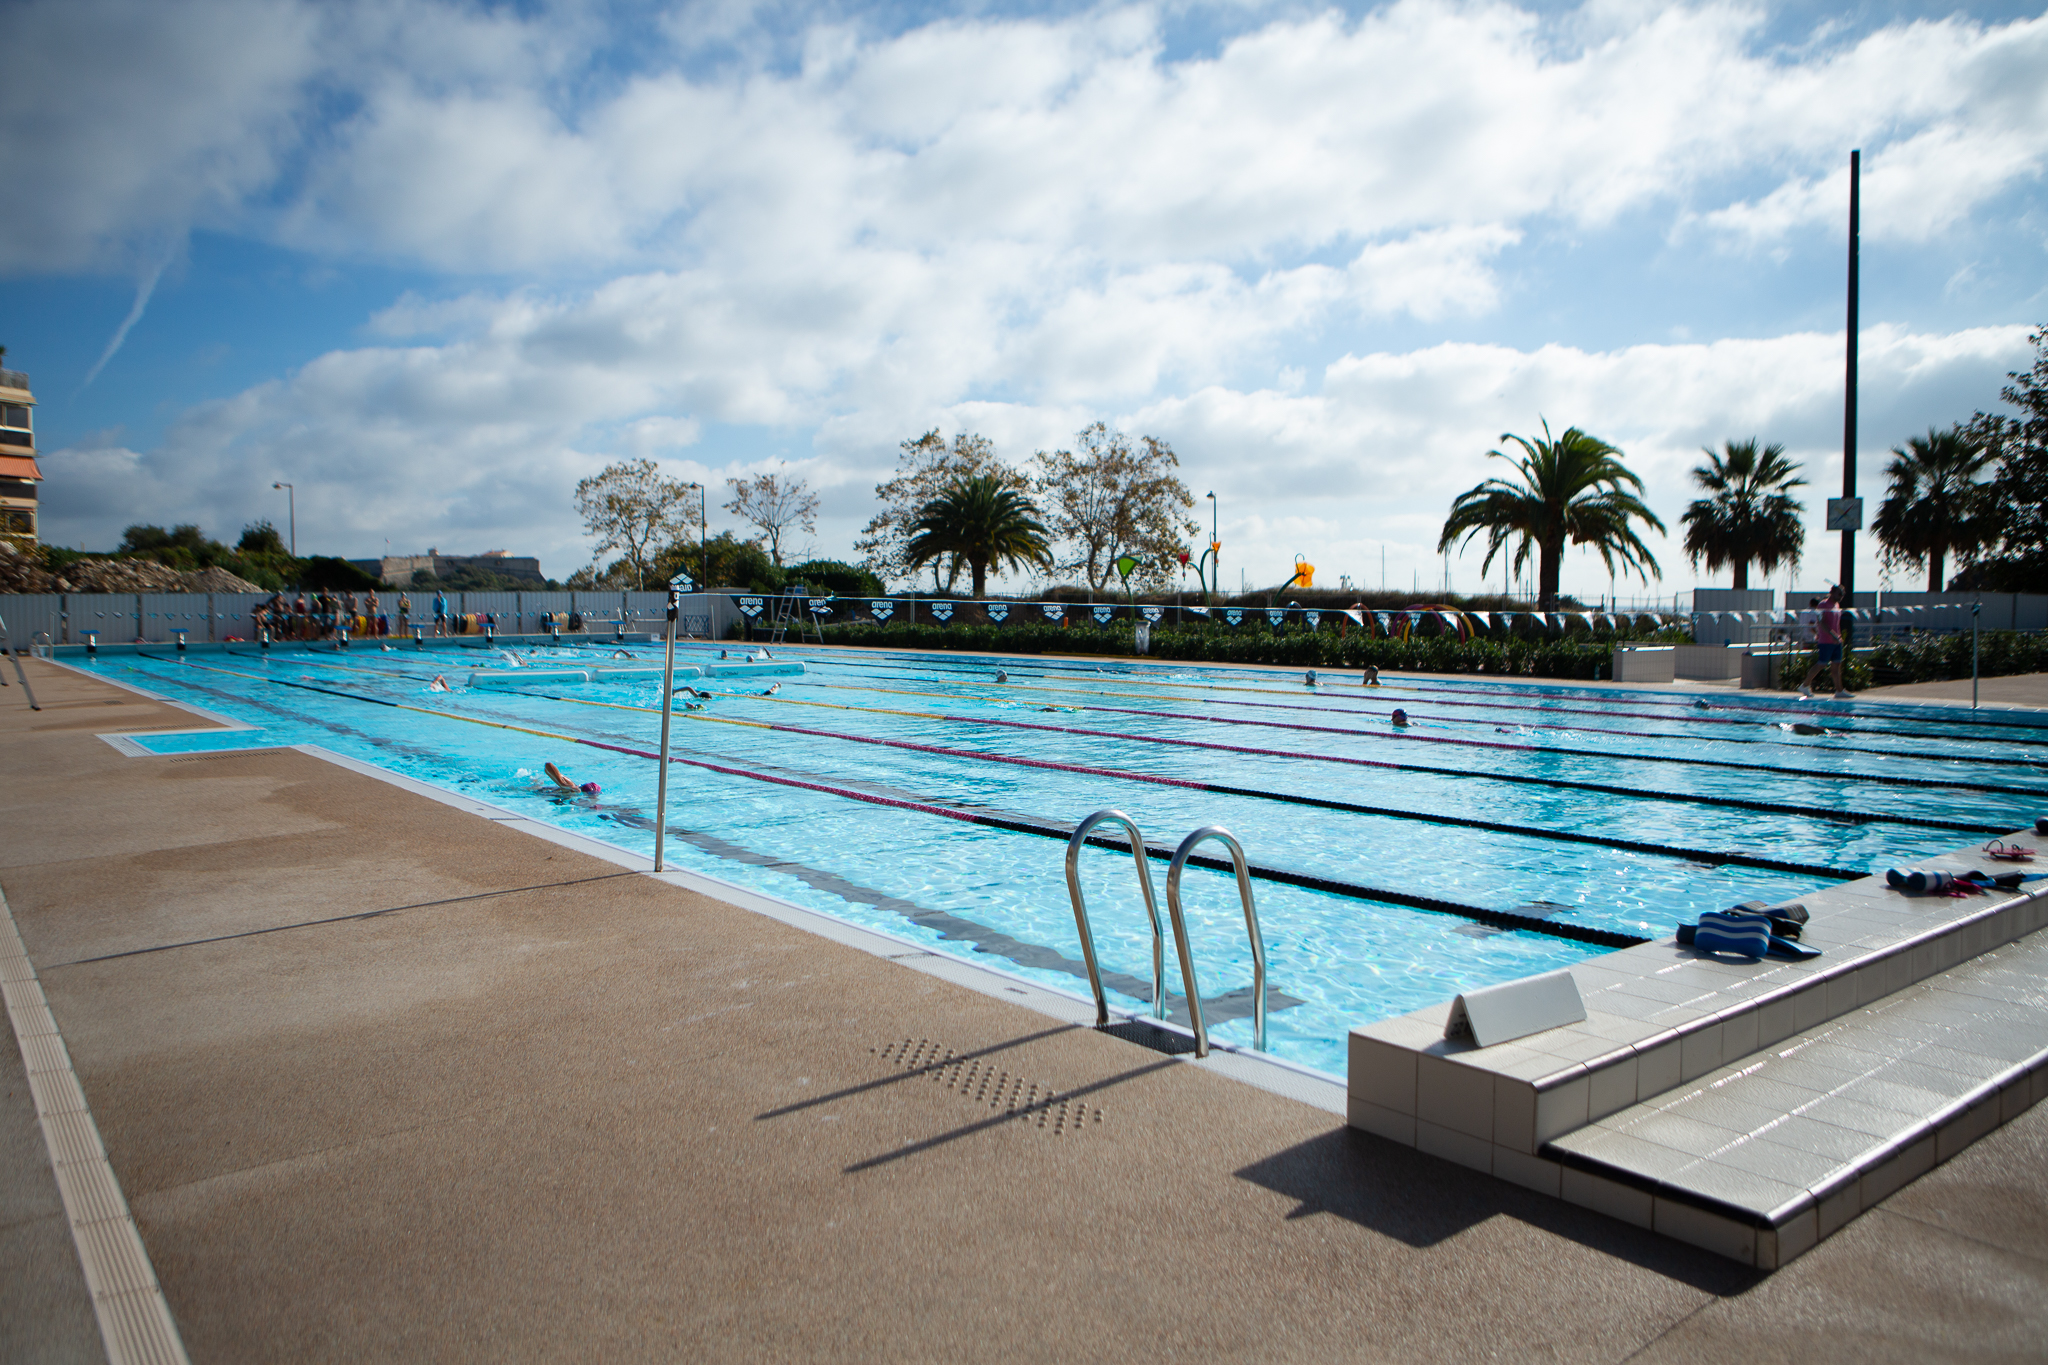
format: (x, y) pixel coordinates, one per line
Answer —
(855, 790)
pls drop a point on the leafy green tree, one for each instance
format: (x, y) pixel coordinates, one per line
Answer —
(1934, 504)
(1109, 498)
(1752, 516)
(927, 467)
(734, 563)
(630, 508)
(1573, 490)
(981, 521)
(839, 579)
(2019, 490)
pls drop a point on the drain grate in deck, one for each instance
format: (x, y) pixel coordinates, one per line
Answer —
(1013, 1096)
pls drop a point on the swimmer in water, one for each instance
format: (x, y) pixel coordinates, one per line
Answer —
(771, 689)
(439, 684)
(1371, 678)
(555, 775)
(1001, 676)
(1800, 727)
(1400, 717)
(1310, 680)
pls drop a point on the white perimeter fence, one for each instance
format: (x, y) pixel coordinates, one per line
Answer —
(124, 617)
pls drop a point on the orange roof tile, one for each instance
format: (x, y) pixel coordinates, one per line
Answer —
(19, 467)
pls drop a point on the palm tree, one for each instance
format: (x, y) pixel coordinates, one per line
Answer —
(981, 520)
(1752, 516)
(1572, 490)
(1935, 504)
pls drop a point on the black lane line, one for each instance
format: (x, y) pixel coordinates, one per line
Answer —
(954, 929)
(1840, 817)
(1940, 784)
(1436, 689)
(1047, 829)
(1708, 857)
(1565, 784)
(1221, 1009)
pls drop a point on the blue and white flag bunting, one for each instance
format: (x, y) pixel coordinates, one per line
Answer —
(1275, 615)
(821, 606)
(1152, 613)
(1314, 618)
(1234, 615)
(943, 610)
(1054, 611)
(883, 608)
(750, 606)
(998, 611)
(1102, 615)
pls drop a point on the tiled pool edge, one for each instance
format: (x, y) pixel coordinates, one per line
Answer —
(1267, 1073)
(1271, 1074)
(1495, 1109)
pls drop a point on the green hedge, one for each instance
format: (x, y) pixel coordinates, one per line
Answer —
(1931, 657)
(1249, 644)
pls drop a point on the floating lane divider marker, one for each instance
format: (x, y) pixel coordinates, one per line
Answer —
(1319, 803)
(1352, 733)
(1759, 712)
(1501, 919)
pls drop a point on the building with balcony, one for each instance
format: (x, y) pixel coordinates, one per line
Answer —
(18, 473)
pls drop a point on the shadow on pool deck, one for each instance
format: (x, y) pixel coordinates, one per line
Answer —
(384, 1080)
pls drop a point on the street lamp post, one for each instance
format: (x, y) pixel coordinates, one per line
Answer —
(703, 535)
(1215, 555)
(291, 502)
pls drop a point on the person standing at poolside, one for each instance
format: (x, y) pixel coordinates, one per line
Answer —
(405, 613)
(1828, 646)
(440, 612)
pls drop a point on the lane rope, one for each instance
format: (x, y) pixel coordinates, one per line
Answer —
(1503, 919)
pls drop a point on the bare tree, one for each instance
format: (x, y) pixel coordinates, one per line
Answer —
(1112, 499)
(927, 467)
(630, 508)
(773, 504)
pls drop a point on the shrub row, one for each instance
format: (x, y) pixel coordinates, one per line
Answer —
(1931, 657)
(1569, 658)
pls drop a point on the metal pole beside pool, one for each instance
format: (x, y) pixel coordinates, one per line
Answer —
(668, 682)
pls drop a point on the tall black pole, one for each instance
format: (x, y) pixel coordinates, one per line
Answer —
(1849, 388)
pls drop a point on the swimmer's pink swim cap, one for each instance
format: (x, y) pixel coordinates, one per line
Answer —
(591, 788)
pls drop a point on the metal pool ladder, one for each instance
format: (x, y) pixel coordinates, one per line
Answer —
(1180, 930)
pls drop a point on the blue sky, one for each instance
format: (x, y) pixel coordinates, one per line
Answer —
(434, 262)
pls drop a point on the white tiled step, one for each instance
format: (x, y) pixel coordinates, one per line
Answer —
(1660, 1016)
(1763, 1157)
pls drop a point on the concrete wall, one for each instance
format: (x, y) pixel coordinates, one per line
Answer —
(1644, 663)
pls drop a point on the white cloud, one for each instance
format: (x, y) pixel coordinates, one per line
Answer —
(830, 238)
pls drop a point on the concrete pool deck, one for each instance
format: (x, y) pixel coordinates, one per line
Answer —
(381, 1079)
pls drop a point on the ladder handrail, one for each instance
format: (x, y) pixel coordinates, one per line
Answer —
(1251, 924)
(1074, 845)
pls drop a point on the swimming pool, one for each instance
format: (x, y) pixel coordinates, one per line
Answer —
(917, 795)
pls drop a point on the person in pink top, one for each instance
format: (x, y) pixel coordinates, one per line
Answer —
(1828, 645)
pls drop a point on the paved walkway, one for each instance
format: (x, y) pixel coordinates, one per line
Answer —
(386, 1081)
